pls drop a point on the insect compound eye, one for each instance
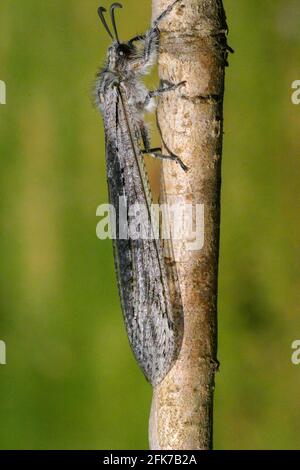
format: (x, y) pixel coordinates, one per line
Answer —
(123, 50)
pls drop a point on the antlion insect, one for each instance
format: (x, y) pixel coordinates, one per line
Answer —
(140, 266)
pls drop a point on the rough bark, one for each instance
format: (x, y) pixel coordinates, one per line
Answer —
(193, 48)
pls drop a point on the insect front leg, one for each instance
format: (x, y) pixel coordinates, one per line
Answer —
(165, 13)
(140, 37)
(151, 40)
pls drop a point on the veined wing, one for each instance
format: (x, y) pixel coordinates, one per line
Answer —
(140, 267)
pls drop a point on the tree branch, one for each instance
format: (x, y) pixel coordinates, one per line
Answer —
(193, 49)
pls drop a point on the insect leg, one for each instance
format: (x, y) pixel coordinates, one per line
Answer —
(165, 13)
(161, 90)
(140, 37)
(145, 136)
(152, 38)
(150, 47)
(157, 151)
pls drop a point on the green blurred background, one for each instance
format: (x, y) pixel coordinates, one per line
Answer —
(70, 379)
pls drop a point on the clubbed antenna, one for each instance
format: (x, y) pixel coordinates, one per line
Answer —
(103, 20)
(112, 16)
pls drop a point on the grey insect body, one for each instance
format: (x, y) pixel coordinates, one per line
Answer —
(140, 267)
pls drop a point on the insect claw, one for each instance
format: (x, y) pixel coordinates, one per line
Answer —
(183, 166)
